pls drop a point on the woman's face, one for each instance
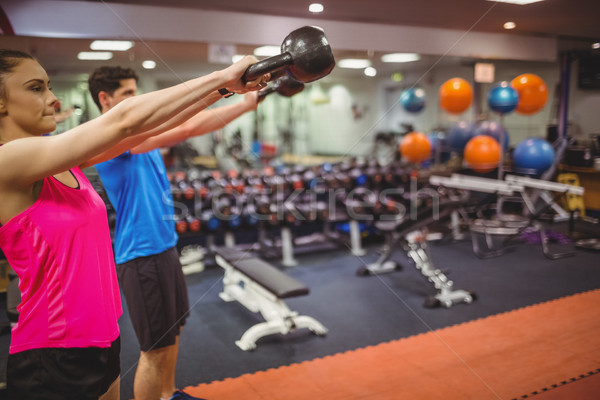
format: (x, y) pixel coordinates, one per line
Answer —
(29, 104)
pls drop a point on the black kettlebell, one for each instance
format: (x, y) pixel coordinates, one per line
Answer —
(305, 55)
(285, 86)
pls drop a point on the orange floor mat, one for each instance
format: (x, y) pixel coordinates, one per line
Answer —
(505, 356)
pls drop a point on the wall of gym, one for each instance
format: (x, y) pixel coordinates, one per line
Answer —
(337, 116)
(342, 116)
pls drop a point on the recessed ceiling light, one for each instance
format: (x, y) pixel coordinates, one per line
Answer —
(370, 71)
(149, 64)
(400, 57)
(111, 45)
(316, 8)
(510, 25)
(596, 45)
(267, 51)
(95, 55)
(519, 2)
(353, 63)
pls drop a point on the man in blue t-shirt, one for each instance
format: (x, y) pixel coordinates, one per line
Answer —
(148, 266)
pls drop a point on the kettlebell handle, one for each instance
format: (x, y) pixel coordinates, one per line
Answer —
(271, 64)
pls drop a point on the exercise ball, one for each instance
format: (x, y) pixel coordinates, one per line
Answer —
(493, 129)
(533, 154)
(482, 153)
(532, 91)
(503, 98)
(415, 147)
(459, 134)
(413, 99)
(455, 95)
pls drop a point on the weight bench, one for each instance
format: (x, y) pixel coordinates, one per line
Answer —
(260, 287)
(412, 236)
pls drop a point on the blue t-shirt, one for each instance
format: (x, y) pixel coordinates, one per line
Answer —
(137, 187)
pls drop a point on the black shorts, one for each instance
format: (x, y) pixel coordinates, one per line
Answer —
(156, 296)
(62, 373)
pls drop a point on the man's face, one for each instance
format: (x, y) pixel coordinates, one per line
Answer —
(128, 89)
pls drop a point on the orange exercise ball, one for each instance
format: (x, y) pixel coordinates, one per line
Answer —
(533, 93)
(415, 147)
(456, 95)
(482, 153)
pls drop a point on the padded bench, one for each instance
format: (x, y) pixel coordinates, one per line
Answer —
(260, 287)
(272, 279)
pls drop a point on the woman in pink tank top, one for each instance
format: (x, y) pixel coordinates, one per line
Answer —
(54, 230)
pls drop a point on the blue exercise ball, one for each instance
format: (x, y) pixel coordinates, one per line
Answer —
(533, 154)
(495, 130)
(413, 99)
(503, 98)
(459, 134)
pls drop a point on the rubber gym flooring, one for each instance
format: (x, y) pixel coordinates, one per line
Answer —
(362, 312)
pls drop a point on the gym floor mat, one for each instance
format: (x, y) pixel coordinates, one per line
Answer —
(511, 355)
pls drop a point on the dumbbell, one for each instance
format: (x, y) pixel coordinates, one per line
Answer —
(186, 223)
(391, 205)
(305, 55)
(209, 221)
(285, 86)
(360, 203)
(295, 181)
(275, 183)
(359, 177)
(181, 182)
(259, 207)
(310, 179)
(310, 208)
(285, 210)
(250, 217)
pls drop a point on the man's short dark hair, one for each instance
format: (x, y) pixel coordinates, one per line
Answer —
(108, 79)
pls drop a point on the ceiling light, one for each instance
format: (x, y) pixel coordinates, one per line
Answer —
(370, 71)
(267, 51)
(596, 45)
(236, 58)
(95, 55)
(316, 8)
(149, 64)
(510, 25)
(400, 57)
(397, 76)
(111, 45)
(353, 63)
(519, 2)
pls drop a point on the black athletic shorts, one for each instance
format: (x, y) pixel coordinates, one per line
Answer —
(156, 296)
(62, 373)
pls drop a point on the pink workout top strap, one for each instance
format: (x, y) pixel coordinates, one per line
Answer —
(61, 250)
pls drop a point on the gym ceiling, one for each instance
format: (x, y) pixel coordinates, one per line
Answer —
(179, 31)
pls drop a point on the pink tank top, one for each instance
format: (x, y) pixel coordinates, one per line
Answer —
(61, 250)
